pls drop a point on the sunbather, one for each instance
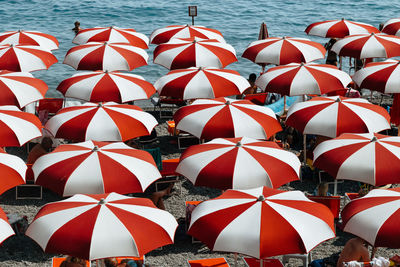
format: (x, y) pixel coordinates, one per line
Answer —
(356, 249)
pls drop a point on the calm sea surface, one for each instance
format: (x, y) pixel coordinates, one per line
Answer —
(238, 21)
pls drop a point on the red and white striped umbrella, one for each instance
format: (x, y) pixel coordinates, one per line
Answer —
(180, 53)
(34, 38)
(368, 46)
(284, 50)
(339, 28)
(163, 35)
(25, 58)
(100, 86)
(12, 169)
(106, 56)
(262, 222)
(369, 158)
(101, 226)
(392, 27)
(20, 88)
(380, 76)
(332, 116)
(225, 117)
(112, 34)
(238, 163)
(375, 217)
(300, 79)
(18, 127)
(5, 228)
(101, 122)
(90, 168)
(201, 82)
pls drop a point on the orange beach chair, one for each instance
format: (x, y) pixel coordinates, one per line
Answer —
(215, 262)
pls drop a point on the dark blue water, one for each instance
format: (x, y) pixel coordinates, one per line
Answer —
(238, 21)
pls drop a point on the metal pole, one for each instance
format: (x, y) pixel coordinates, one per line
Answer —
(192, 20)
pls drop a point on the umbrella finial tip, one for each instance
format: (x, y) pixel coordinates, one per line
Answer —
(261, 198)
(99, 105)
(238, 144)
(227, 102)
(338, 100)
(95, 149)
(102, 201)
(374, 139)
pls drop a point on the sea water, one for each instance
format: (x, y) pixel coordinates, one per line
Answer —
(238, 21)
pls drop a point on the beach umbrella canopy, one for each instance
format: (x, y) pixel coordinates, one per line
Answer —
(368, 46)
(284, 50)
(100, 86)
(238, 163)
(368, 158)
(33, 38)
(392, 27)
(379, 76)
(201, 82)
(163, 35)
(180, 53)
(81, 225)
(375, 217)
(112, 34)
(18, 127)
(90, 168)
(101, 122)
(5, 228)
(106, 56)
(332, 116)
(20, 88)
(339, 28)
(25, 58)
(300, 79)
(12, 169)
(225, 117)
(276, 222)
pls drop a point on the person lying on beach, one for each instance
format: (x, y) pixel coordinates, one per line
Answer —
(73, 262)
(157, 197)
(39, 150)
(77, 27)
(356, 249)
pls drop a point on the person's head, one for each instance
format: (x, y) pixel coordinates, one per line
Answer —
(77, 23)
(47, 143)
(380, 27)
(73, 262)
(252, 78)
(110, 262)
(323, 189)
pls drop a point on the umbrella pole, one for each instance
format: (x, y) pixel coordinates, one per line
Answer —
(261, 263)
(305, 149)
(284, 104)
(235, 259)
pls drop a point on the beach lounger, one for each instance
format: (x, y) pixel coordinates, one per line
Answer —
(332, 202)
(306, 258)
(56, 261)
(253, 262)
(167, 106)
(168, 173)
(214, 262)
(258, 99)
(48, 107)
(181, 136)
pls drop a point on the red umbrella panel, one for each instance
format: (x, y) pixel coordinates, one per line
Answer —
(20, 88)
(81, 225)
(104, 86)
(300, 79)
(201, 82)
(33, 38)
(101, 122)
(368, 46)
(17, 127)
(375, 217)
(106, 56)
(12, 169)
(238, 163)
(392, 27)
(90, 168)
(262, 222)
(339, 28)
(332, 116)
(368, 158)
(181, 53)
(25, 58)
(226, 118)
(112, 34)
(284, 50)
(380, 76)
(165, 34)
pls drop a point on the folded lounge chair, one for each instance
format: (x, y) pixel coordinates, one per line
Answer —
(253, 262)
(56, 261)
(215, 262)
